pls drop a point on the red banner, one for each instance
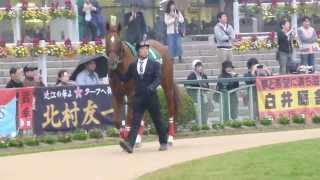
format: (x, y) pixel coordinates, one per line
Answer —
(25, 102)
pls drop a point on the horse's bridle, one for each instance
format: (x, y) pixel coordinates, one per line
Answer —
(119, 53)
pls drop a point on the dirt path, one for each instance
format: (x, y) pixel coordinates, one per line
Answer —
(110, 163)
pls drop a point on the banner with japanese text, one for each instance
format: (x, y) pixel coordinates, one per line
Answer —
(8, 109)
(68, 108)
(25, 106)
(289, 96)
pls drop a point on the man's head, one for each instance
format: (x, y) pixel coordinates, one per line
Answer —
(15, 74)
(29, 72)
(135, 7)
(252, 62)
(285, 25)
(143, 48)
(91, 66)
(222, 18)
(198, 66)
(306, 22)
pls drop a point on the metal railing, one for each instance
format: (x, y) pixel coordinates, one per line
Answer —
(214, 106)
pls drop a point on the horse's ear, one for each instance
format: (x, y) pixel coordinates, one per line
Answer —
(119, 28)
(108, 27)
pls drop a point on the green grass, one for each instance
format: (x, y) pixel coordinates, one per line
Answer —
(291, 161)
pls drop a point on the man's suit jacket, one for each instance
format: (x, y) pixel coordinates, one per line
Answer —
(136, 28)
(150, 80)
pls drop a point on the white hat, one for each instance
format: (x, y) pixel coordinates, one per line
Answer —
(195, 62)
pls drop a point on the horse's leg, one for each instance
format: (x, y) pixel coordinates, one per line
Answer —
(168, 88)
(117, 106)
(140, 132)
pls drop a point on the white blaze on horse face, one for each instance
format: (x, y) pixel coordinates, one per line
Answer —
(112, 39)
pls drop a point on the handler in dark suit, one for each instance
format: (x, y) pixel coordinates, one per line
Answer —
(146, 74)
(136, 25)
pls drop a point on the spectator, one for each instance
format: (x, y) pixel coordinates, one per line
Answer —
(206, 103)
(88, 76)
(15, 78)
(174, 21)
(159, 29)
(63, 78)
(285, 39)
(224, 38)
(308, 43)
(136, 25)
(198, 74)
(255, 69)
(224, 87)
(91, 11)
(32, 77)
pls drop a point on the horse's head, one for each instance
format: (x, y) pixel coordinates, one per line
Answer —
(114, 47)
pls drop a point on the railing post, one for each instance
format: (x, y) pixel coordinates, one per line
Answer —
(221, 108)
(236, 20)
(251, 111)
(16, 26)
(199, 107)
(42, 63)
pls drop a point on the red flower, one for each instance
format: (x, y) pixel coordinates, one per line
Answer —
(98, 41)
(25, 5)
(67, 43)
(68, 4)
(2, 43)
(253, 38)
(274, 3)
(272, 36)
(35, 41)
(85, 40)
(8, 6)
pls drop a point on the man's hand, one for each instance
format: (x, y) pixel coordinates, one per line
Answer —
(151, 89)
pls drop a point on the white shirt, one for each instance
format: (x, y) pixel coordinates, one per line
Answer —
(172, 23)
(144, 64)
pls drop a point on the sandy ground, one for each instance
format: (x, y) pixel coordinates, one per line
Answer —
(111, 163)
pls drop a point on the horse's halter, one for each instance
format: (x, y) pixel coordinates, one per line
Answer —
(118, 50)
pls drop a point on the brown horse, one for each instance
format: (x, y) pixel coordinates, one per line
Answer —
(120, 57)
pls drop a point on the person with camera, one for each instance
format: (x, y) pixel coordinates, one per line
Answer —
(174, 21)
(224, 38)
(308, 43)
(286, 36)
(254, 70)
(225, 86)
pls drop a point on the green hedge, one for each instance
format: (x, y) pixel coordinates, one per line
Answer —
(187, 110)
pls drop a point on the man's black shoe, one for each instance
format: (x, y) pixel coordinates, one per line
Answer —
(163, 147)
(126, 146)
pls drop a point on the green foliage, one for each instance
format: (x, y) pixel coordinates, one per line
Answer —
(195, 127)
(249, 123)
(266, 121)
(234, 124)
(153, 130)
(205, 128)
(316, 119)
(31, 141)
(15, 142)
(80, 135)
(218, 126)
(283, 121)
(48, 139)
(3, 143)
(187, 110)
(95, 134)
(64, 138)
(112, 132)
(298, 119)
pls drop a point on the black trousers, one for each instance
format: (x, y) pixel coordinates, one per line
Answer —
(151, 103)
